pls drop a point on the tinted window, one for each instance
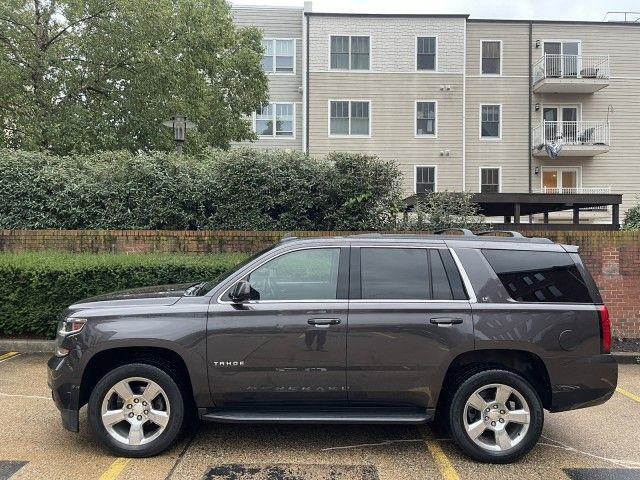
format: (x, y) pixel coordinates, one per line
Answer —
(539, 276)
(300, 275)
(394, 273)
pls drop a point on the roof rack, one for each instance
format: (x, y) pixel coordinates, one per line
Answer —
(513, 233)
(465, 231)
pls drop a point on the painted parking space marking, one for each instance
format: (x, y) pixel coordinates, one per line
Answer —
(8, 356)
(602, 473)
(445, 467)
(628, 394)
(115, 469)
(9, 467)
(291, 472)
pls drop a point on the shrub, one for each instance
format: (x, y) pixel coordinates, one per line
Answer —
(37, 287)
(241, 189)
(632, 218)
(444, 210)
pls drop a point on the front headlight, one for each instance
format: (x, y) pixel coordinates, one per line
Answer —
(70, 325)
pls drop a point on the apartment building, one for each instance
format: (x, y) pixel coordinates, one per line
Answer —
(533, 116)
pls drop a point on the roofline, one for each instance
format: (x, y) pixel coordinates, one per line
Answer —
(553, 22)
(242, 6)
(387, 15)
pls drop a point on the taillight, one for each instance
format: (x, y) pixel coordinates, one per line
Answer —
(605, 329)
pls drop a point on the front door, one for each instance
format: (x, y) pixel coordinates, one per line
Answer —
(408, 318)
(287, 346)
(560, 180)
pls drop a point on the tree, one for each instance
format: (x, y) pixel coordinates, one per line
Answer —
(80, 76)
(632, 218)
(444, 210)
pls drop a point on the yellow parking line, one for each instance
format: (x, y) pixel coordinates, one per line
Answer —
(115, 469)
(630, 395)
(8, 355)
(447, 472)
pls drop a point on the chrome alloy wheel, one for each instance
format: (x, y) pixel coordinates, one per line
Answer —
(496, 417)
(135, 411)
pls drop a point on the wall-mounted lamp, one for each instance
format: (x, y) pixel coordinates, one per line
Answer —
(536, 170)
(537, 43)
(537, 106)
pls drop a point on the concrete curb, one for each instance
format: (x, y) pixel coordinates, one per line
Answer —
(27, 346)
(627, 357)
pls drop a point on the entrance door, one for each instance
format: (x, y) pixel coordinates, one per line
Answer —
(563, 58)
(560, 180)
(561, 122)
(286, 346)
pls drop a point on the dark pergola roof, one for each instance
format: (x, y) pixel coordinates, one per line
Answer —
(516, 204)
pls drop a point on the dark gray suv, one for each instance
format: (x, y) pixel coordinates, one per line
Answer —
(481, 333)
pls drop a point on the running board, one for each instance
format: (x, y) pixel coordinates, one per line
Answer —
(368, 417)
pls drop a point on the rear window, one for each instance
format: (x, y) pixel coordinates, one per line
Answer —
(550, 277)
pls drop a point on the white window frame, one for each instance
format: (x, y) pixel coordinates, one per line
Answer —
(560, 168)
(435, 70)
(490, 139)
(273, 136)
(501, 58)
(415, 119)
(415, 177)
(559, 107)
(332, 135)
(349, 69)
(295, 54)
(490, 168)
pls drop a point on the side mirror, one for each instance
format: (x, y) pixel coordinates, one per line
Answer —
(241, 292)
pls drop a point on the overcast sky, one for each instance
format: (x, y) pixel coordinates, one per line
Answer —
(593, 10)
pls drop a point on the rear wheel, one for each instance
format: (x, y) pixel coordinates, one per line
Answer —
(136, 410)
(495, 416)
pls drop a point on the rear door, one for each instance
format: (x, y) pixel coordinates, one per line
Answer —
(409, 316)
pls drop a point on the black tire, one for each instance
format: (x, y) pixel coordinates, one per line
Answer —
(173, 426)
(457, 411)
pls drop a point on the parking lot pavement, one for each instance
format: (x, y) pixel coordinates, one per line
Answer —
(595, 443)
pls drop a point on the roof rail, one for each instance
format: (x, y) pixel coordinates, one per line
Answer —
(465, 231)
(513, 233)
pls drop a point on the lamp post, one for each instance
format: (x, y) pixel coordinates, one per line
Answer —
(179, 124)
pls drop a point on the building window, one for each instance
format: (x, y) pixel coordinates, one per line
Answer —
(349, 118)
(426, 53)
(275, 120)
(491, 57)
(490, 180)
(425, 179)
(349, 52)
(278, 56)
(425, 118)
(490, 127)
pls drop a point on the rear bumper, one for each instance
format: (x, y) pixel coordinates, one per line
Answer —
(65, 390)
(582, 382)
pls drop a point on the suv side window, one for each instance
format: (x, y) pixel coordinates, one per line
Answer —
(310, 274)
(531, 276)
(409, 274)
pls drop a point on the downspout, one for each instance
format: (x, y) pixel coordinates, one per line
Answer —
(464, 107)
(306, 87)
(530, 111)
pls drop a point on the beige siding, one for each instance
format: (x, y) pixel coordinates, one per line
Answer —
(279, 23)
(510, 90)
(620, 167)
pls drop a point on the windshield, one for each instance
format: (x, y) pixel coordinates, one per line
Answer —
(205, 287)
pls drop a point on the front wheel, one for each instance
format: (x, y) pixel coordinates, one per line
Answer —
(136, 410)
(495, 416)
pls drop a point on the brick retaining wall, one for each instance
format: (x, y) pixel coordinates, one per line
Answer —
(613, 258)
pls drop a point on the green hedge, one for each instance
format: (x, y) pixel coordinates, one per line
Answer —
(240, 189)
(37, 287)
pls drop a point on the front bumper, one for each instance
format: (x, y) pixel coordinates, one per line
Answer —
(581, 382)
(65, 390)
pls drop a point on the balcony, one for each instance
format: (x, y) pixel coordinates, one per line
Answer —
(571, 191)
(578, 139)
(555, 73)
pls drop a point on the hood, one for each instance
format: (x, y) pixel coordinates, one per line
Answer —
(161, 295)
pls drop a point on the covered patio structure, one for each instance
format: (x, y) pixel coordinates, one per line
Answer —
(513, 206)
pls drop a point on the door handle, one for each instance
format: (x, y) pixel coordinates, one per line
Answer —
(323, 322)
(443, 321)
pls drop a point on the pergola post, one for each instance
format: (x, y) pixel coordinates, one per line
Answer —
(576, 215)
(615, 215)
(545, 217)
(516, 213)
(507, 219)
